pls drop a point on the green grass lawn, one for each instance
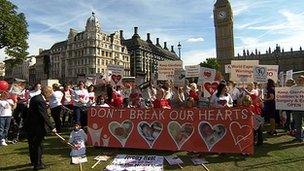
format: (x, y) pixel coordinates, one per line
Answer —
(277, 153)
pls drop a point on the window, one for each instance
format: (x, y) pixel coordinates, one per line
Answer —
(102, 53)
(98, 70)
(106, 54)
(98, 61)
(102, 62)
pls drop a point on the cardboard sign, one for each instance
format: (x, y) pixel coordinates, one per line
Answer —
(123, 162)
(206, 74)
(228, 69)
(173, 160)
(166, 69)
(282, 79)
(289, 74)
(260, 74)
(242, 70)
(289, 98)
(225, 130)
(193, 71)
(78, 160)
(209, 88)
(198, 160)
(115, 72)
(179, 77)
(272, 72)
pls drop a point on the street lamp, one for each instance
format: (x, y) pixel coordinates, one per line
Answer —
(179, 46)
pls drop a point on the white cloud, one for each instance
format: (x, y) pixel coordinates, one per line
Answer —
(199, 39)
(197, 56)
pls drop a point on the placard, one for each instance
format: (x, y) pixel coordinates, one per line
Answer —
(272, 72)
(179, 77)
(193, 71)
(228, 69)
(123, 162)
(289, 98)
(242, 70)
(260, 74)
(166, 69)
(206, 74)
(115, 72)
(209, 88)
(289, 75)
(221, 130)
(173, 160)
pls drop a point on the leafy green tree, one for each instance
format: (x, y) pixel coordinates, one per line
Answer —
(13, 31)
(210, 63)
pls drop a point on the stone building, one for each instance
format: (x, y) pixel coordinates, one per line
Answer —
(223, 21)
(2, 69)
(145, 55)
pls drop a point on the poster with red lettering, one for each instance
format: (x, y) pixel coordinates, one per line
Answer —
(227, 130)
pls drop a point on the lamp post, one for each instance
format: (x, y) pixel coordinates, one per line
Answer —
(179, 46)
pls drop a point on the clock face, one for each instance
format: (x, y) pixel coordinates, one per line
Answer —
(222, 14)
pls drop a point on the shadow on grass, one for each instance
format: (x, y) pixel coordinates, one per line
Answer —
(22, 167)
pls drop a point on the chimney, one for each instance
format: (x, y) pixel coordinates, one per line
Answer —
(135, 33)
(157, 42)
(165, 45)
(40, 50)
(172, 49)
(148, 38)
(121, 34)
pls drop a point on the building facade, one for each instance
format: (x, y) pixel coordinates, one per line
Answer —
(145, 55)
(2, 69)
(20, 71)
(223, 21)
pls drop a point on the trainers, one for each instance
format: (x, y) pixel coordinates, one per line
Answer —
(3, 143)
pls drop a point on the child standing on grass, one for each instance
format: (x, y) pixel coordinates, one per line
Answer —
(78, 138)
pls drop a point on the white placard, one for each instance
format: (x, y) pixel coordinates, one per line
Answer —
(272, 72)
(228, 68)
(173, 160)
(289, 98)
(124, 162)
(116, 69)
(282, 79)
(260, 74)
(166, 69)
(209, 88)
(206, 74)
(193, 71)
(242, 70)
(78, 160)
(289, 75)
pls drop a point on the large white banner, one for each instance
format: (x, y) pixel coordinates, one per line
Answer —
(193, 70)
(124, 162)
(272, 72)
(289, 98)
(242, 70)
(166, 69)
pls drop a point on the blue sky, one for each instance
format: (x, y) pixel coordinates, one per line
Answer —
(257, 23)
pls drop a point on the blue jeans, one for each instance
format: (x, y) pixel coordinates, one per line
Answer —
(80, 115)
(4, 126)
(298, 119)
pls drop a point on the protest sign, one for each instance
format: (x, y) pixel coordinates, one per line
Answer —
(242, 70)
(289, 98)
(123, 162)
(209, 88)
(179, 77)
(198, 160)
(166, 69)
(115, 72)
(260, 74)
(272, 72)
(206, 74)
(282, 79)
(79, 159)
(228, 69)
(173, 160)
(289, 74)
(192, 71)
(225, 130)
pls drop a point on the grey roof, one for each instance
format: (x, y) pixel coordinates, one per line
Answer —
(59, 45)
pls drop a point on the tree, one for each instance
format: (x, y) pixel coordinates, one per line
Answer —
(210, 63)
(13, 31)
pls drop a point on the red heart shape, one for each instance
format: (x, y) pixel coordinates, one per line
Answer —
(222, 102)
(211, 88)
(116, 78)
(207, 74)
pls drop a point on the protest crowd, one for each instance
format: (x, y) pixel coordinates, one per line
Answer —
(68, 104)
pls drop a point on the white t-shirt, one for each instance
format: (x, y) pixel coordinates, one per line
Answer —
(91, 98)
(235, 93)
(6, 108)
(220, 102)
(55, 99)
(81, 94)
(78, 139)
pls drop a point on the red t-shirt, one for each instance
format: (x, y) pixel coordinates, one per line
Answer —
(194, 95)
(162, 103)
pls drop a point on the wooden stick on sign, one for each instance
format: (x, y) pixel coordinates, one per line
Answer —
(205, 166)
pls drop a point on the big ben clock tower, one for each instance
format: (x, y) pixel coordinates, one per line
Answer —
(223, 22)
